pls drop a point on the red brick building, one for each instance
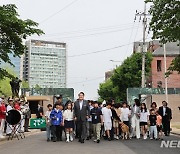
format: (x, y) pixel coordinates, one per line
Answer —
(157, 67)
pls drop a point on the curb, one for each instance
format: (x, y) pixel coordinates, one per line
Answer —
(174, 133)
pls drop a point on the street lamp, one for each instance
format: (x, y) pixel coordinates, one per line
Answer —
(115, 61)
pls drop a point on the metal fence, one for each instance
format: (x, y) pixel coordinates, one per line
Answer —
(133, 93)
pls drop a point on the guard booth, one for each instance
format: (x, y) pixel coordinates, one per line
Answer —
(33, 105)
(35, 100)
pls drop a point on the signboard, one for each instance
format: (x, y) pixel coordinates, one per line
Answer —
(37, 123)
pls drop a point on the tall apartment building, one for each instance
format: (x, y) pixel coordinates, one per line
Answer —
(44, 64)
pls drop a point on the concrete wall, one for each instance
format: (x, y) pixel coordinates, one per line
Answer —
(173, 103)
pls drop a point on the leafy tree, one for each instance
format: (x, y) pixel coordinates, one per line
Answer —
(13, 31)
(5, 88)
(165, 24)
(37, 89)
(105, 90)
(125, 76)
(25, 84)
(175, 66)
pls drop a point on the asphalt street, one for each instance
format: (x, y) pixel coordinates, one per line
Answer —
(37, 144)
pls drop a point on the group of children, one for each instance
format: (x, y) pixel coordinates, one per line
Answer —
(58, 120)
(105, 120)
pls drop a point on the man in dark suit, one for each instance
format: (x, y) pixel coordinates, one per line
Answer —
(82, 113)
(39, 112)
(166, 115)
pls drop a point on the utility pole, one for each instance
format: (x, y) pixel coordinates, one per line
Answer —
(143, 14)
(165, 70)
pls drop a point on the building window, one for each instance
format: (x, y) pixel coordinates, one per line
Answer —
(159, 65)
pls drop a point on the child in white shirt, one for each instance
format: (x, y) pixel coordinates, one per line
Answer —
(125, 114)
(107, 115)
(68, 121)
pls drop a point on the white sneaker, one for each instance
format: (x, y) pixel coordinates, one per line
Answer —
(71, 138)
(67, 140)
(117, 137)
(145, 137)
(95, 140)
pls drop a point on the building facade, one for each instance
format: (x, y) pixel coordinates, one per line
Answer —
(158, 68)
(45, 64)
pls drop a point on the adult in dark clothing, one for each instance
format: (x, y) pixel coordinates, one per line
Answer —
(39, 113)
(82, 113)
(166, 114)
(27, 117)
(15, 86)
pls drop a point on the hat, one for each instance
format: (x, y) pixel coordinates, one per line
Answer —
(58, 96)
(16, 99)
(3, 97)
(10, 99)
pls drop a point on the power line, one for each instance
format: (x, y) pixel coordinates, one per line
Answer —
(93, 34)
(87, 80)
(130, 37)
(90, 29)
(99, 51)
(136, 32)
(58, 11)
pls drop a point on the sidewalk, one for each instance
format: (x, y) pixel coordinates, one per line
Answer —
(175, 131)
(175, 128)
(32, 132)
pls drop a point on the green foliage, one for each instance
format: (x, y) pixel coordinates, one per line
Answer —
(105, 90)
(25, 84)
(5, 88)
(165, 22)
(175, 66)
(125, 76)
(13, 31)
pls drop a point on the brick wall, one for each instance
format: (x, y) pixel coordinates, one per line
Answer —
(173, 79)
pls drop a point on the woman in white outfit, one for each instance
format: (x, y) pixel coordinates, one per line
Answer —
(9, 107)
(135, 119)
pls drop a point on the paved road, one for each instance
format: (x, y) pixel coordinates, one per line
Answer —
(36, 144)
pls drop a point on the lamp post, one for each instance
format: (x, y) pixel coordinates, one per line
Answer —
(116, 61)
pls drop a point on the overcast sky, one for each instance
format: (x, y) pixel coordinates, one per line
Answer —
(87, 26)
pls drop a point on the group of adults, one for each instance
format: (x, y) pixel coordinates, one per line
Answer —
(90, 118)
(13, 104)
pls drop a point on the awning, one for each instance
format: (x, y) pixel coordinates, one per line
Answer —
(38, 98)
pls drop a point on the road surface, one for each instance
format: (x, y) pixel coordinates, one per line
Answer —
(37, 144)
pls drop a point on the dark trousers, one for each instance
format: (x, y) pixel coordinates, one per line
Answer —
(76, 130)
(26, 124)
(81, 128)
(166, 125)
(56, 132)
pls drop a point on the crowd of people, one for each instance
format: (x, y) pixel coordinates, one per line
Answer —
(85, 120)
(22, 107)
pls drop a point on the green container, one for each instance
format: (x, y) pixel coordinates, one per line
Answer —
(38, 123)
